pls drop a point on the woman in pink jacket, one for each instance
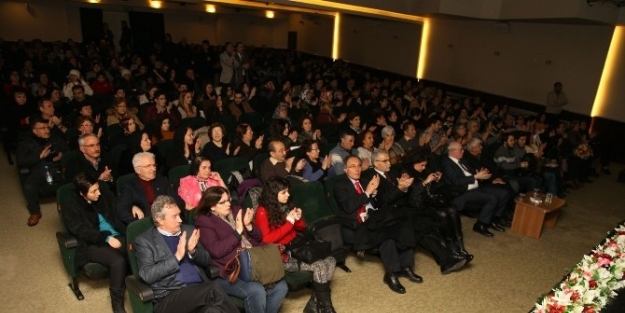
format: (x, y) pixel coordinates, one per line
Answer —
(201, 178)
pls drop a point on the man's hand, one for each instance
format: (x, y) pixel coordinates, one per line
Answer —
(193, 240)
(106, 174)
(114, 242)
(499, 181)
(136, 212)
(181, 250)
(372, 186)
(45, 152)
(58, 157)
(404, 182)
(483, 174)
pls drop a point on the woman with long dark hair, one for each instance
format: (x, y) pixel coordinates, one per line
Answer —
(279, 222)
(223, 230)
(89, 214)
(443, 216)
(184, 150)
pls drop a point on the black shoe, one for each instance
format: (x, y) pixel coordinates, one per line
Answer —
(393, 282)
(360, 254)
(454, 264)
(496, 226)
(412, 276)
(469, 257)
(482, 229)
(503, 222)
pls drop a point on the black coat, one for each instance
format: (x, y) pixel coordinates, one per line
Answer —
(132, 193)
(81, 164)
(81, 219)
(29, 148)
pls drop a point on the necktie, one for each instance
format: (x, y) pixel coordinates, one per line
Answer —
(361, 213)
(464, 167)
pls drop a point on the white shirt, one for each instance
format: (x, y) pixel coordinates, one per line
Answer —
(475, 183)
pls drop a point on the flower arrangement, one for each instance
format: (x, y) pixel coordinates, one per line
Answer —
(583, 151)
(592, 282)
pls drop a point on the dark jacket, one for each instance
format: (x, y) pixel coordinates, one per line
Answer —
(81, 219)
(29, 148)
(81, 164)
(131, 193)
(454, 176)
(157, 264)
(221, 240)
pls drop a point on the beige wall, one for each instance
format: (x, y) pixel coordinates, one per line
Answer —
(462, 53)
(392, 46)
(38, 20)
(314, 33)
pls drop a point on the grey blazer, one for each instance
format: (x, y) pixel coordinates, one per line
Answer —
(158, 265)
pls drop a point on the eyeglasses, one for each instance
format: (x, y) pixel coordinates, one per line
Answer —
(149, 165)
(355, 166)
(461, 149)
(86, 125)
(42, 127)
(224, 201)
(384, 161)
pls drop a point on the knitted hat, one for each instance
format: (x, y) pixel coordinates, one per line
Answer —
(125, 72)
(75, 72)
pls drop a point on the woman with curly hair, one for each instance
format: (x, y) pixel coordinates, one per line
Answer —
(224, 230)
(279, 222)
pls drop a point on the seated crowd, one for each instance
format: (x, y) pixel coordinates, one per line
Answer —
(406, 160)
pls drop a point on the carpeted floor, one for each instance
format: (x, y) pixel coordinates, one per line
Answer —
(508, 274)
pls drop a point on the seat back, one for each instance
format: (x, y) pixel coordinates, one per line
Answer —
(122, 181)
(310, 197)
(176, 173)
(254, 119)
(114, 130)
(135, 229)
(164, 146)
(68, 157)
(116, 154)
(329, 192)
(228, 165)
(258, 160)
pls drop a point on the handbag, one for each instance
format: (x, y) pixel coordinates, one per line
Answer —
(308, 249)
(436, 200)
(262, 264)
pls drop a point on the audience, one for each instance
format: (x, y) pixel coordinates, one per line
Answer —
(351, 101)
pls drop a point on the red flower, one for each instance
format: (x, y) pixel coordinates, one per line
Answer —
(588, 309)
(555, 308)
(592, 284)
(575, 296)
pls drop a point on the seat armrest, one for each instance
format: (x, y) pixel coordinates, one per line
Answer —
(66, 240)
(212, 271)
(324, 222)
(349, 223)
(138, 287)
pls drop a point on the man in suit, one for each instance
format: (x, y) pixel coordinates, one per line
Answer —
(137, 195)
(228, 66)
(244, 65)
(169, 260)
(466, 189)
(392, 197)
(357, 212)
(91, 161)
(40, 152)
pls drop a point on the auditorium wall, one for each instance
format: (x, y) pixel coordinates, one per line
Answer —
(519, 60)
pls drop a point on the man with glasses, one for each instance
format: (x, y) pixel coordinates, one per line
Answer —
(277, 164)
(35, 154)
(169, 256)
(92, 160)
(467, 189)
(137, 194)
(364, 226)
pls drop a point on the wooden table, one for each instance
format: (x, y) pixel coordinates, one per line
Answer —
(529, 218)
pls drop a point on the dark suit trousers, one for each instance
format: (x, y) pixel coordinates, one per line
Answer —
(36, 180)
(433, 245)
(207, 297)
(394, 259)
(478, 196)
